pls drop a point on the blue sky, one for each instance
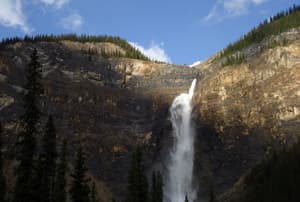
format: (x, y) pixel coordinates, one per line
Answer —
(176, 31)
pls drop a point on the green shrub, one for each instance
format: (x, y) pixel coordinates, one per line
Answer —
(234, 59)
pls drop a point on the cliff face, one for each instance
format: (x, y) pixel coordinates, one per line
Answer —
(245, 110)
(113, 104)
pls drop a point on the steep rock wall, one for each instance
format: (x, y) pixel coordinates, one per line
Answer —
(243, 111)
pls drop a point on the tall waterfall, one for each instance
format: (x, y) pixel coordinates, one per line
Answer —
(180, 168)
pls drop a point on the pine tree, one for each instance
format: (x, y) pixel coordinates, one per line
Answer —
(211, 195)
(137, 181)
(45, 173)
(2, 177)
(94, 193)
(153, 188)
(186, 198)
(159, 187)
(60, 194)
(79, 190)
(26, 143)
(156, 193)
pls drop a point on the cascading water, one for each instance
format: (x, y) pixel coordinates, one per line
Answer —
(180, 169)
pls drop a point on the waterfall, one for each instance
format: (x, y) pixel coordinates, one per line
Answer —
(180, 168)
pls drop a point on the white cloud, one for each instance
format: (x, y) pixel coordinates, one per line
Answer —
(56, 3)
(72, 22)
(154, 52)
(230, 8)
(11, 15)
(258, 1)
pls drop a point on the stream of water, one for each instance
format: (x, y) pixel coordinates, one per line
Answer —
(180, 168)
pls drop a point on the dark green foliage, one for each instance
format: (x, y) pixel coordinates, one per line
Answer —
(116, 54)
(212, 197)
(45, 172)
(156, 192)
(34, 91)
(106, 54)
(277, 24)
(186, 198)
(131, 52)
(276, 178)
(79, 190)
(137, 190)
(2, 177)
(234, 59)
(275, 43)
(26, 143)
(60, 193)
(94, 193)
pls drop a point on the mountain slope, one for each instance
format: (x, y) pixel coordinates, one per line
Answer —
(111, 103)
(246, 109)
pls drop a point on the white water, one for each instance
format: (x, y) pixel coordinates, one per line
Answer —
(180, 168)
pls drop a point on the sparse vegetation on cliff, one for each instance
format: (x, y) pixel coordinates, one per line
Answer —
(275, 25)
(234, 59)
(131, 52)
(274, 44)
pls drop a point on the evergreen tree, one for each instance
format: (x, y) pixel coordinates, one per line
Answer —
(45, 174)
(60, 194)
(211, 195)
(137, 181)
(153, 188)
(186, 198)
(79, 190)
(159, 186)
(2, 177)
(26, 143)
(156, 193)
(94, 193)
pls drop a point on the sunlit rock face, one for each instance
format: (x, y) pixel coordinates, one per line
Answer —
(113, 104)
(244, 110)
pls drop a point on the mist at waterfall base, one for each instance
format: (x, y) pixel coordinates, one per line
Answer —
(180, 168)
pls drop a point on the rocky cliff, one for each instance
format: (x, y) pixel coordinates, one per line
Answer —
(245, 110)
(113, 104)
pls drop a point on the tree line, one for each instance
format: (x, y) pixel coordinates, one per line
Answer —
(108, 54)
(279, 23)
(130, 51)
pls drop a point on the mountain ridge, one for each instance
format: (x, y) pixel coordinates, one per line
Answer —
(115, 103)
